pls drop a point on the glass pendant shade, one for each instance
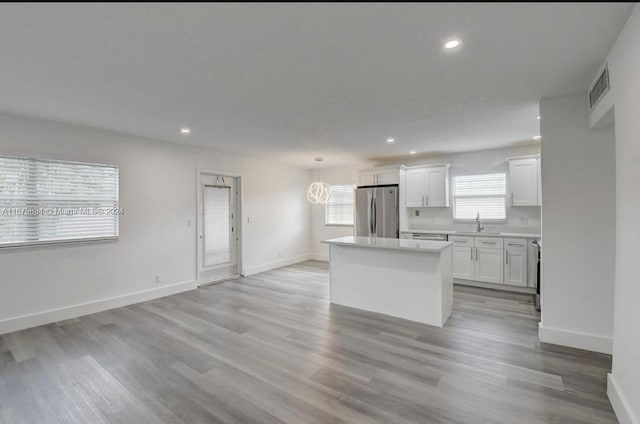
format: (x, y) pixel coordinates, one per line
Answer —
(318, 193)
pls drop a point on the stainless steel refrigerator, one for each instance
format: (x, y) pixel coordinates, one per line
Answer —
(377, 212)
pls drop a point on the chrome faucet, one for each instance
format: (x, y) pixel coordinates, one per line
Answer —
(478, 227)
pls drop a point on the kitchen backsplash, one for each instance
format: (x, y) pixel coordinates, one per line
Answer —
(519, 220)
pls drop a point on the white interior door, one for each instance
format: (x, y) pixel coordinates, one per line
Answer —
(218, 235)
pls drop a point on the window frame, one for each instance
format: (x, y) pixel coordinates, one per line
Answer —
(66, 241)
(353, 206)
(480, 196)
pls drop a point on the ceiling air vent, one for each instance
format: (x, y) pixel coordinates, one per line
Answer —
(600, 88)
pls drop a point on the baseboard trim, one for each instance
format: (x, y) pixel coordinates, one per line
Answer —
(10, 325)
(320, 257)
(620, 403)
(277, 264)
(592, 342)
(503, 287)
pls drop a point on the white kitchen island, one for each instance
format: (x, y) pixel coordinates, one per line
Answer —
(410, 279)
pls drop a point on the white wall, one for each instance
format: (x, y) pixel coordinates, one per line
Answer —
(523, 219)
(578, 226)
(342, 175)
(624, 100)
(158, 194)
(519, 219)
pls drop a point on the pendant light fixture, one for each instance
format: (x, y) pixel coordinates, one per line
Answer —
(318, 192)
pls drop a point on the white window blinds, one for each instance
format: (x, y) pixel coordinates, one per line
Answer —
(43, 201)
(217, 225)
(339, 208)
(483, 194)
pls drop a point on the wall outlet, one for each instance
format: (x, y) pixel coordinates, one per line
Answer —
(158, 279)
(417, 212)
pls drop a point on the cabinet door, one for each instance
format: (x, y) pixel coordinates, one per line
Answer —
(539, 161)
(416, 187)
(389, 176)
(366, 178)
(523, 175)
(515, 267)
(463, 262)
(437, 187)
(489, 265)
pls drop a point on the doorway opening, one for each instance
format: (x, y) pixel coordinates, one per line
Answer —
(218, 230)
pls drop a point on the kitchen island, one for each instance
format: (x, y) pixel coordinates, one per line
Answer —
(410, 279)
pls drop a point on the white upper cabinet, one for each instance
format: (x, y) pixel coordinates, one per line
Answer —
(540, 181)
(523, 178)
(416, 187)
(366, 178)
(438, 186)
(427, 186)
(389, 175)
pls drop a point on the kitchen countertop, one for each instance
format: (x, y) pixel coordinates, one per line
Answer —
(389, 243)
(468, 233)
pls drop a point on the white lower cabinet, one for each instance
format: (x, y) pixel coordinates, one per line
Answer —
(463, 264)
(490, 260)
(488, 265)
(515, 262)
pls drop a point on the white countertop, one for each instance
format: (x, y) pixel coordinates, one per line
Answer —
(390, 243)
(468, 233)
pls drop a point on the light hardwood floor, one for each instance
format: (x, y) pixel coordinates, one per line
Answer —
(269, 349)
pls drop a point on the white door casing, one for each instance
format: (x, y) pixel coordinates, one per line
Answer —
(218, 229)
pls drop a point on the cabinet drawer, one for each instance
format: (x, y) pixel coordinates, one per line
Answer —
(495, 242)
(515, 244)
(461, 240)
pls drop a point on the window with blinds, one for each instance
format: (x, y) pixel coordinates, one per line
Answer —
(483, 194)
(339, 208)
(45, 201)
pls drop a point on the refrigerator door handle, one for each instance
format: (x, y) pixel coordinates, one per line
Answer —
(397, 235)
(375, 224)
(371, 221)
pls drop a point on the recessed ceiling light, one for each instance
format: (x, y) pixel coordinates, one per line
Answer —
(390, 140)
(537, 137)
(452, 43)
(413, 152)
(185, 130)
(538, 117)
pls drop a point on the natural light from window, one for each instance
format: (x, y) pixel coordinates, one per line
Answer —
(45, 201)
(339, 208)
(484, 194)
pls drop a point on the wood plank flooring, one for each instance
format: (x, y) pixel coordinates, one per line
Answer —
(270, 349)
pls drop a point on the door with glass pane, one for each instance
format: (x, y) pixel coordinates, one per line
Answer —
(218, 236)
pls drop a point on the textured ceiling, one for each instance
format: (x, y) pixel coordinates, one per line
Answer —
(292, 81)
